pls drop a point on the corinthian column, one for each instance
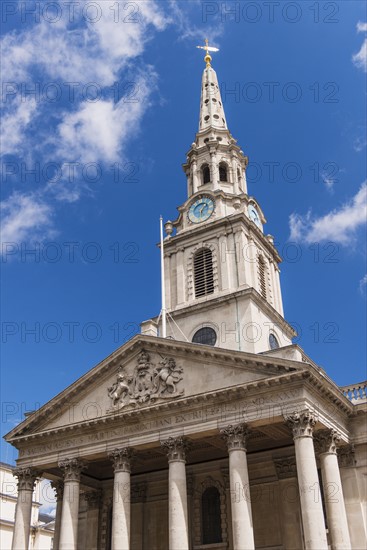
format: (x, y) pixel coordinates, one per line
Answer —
(121, 498)
(72, 468)
(311, 506)
(326, 442)
(177, 497)
(242, 527)
(23, 512)
(58, 486)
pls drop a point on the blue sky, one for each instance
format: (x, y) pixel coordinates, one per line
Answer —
(113, 112)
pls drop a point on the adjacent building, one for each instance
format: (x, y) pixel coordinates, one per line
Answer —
(41, 525)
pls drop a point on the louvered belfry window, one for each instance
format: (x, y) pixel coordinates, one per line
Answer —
(203, 272)
(262, 276)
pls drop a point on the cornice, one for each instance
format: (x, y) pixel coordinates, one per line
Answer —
(152, 343)
(213, 301)
(239, 218)
(227, 394)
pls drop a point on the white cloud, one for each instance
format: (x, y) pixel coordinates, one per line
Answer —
(339, 225)
(91, 52)
(99, 131)
(363, 285)
(25, 218)
(360, 58)
(185, 26)
(328, 181)
(69, 56)
(14, 123)
(359, 143)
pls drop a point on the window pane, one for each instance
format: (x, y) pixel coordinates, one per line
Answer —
(205, 335)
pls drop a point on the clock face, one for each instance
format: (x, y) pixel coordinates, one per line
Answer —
(201, 209)
(253, 215)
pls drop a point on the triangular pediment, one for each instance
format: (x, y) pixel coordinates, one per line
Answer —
(146, 372)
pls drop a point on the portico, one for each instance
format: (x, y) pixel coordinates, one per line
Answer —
(135, 477)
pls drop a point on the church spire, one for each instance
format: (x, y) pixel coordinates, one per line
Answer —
(211, 106)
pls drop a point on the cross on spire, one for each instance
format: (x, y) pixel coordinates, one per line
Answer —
(208, 49)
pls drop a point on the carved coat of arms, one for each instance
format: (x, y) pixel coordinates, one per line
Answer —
(146, 382)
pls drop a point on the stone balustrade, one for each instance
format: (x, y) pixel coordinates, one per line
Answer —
(357, 393)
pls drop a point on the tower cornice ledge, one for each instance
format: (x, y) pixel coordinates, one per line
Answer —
(208, 303)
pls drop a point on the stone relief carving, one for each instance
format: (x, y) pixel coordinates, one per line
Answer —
(147, 382)
(286, 467)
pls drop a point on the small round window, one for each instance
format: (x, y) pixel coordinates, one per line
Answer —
(205, 335)
(273, 342)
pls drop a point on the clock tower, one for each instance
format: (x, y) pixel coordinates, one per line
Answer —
(222, 284)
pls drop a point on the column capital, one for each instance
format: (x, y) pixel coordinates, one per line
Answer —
(326, 441)
(235, 436)
(176, 448)
(58, 487)
(93, 499)
(301, 423)
(121, 459)
(72, 468)
(26, 478)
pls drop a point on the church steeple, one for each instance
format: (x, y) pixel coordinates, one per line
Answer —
(211, 106)
(214, 162)
(222, 282)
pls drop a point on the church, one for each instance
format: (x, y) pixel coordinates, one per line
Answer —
(210, 429)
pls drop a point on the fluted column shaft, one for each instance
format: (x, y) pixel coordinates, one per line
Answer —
(59, 491)
(177, 493)
(311, 506)
(121, 505)
(242, 526)
(333, 491)
(23, 512)
(72, 468)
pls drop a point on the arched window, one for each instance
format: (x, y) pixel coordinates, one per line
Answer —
(205, 170)
(223, 172)
(211, 516)
(205, 335)
(262, 276)
(273, 341)
(203, 272)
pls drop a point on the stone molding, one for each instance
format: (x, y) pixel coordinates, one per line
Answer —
(93, 499)
(301, 423)
(121, 459)
(326, 441)
(26, 478)
(346, 456)
(235, 437)
(58, 487)
(72, 468)
(286, 467)
(176, 448)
